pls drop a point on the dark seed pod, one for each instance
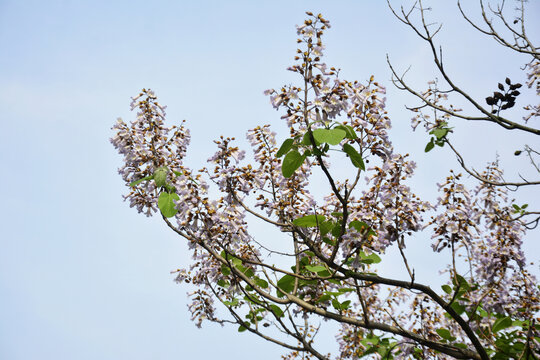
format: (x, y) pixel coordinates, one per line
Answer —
(490, 100)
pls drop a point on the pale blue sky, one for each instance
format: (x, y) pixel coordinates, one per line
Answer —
(83, 276)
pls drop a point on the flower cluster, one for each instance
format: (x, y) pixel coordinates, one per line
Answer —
(479, 227)
(497, 255)
(533, 80)
(146, 145)
(456, 225)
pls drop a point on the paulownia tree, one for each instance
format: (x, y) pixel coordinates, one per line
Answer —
(324, 267)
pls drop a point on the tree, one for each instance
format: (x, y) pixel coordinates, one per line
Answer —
(328, 269)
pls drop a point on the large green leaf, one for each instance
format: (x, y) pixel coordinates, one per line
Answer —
(292, 161)
(166, 204)
(309, 220)
(350, 133)
(286, 284)
(325, 227)
(329, 136)
(315, 268)
(285, 147)
(306, 140)
(501, 324)
(356, 158)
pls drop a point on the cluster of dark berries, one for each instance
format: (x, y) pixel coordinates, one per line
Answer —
(506, 100)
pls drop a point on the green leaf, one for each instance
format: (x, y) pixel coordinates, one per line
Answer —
(329, 136)
(233, 303)
(336, 304)
(371, 259)
(359, 226)
(225, 270)
(261, 283)
(345, 304)
(382, 350)
(324, 298)
(178, 173)
(350, 133)
(285, 147)
(309, 220)
(325, 227)
(439, 133)
(445, 334)
(355, 157)
(336, 231)
(276, 310)
(462, 282)
(286, 283)
(135, 183)
(458, 308)
(170, 188)
(166, 204)
(160, 176)
(306, 140)
(362, 228)
(328, 241)
(501, 324)
(248, 272)
(430, 145)
(335, 282)
(324, 273)
(315, 268)
(242, 328)
(447, 289)
(292, 161)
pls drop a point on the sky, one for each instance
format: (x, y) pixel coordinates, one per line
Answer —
(83, 276)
